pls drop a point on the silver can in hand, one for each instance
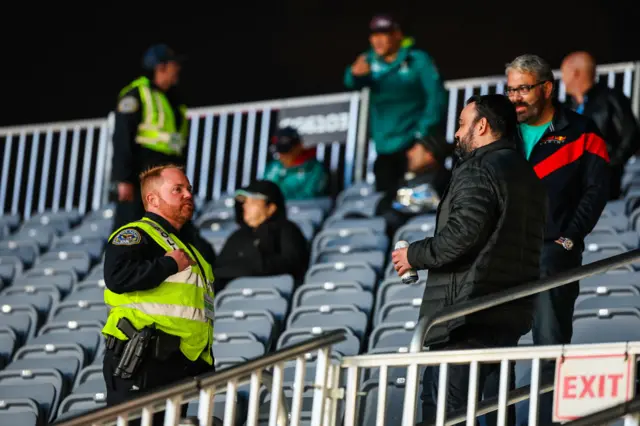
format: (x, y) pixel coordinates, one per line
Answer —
(411, 276)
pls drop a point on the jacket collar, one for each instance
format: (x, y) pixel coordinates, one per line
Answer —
(502, 143)
(162, 222)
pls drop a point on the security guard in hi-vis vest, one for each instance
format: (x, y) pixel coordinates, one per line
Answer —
(150, 129)
(160, 293)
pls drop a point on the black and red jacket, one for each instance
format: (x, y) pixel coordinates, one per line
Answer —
(572, 161)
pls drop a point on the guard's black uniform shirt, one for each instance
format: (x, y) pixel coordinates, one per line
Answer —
(129, 157)
(143, 265)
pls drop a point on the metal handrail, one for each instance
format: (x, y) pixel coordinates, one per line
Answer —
(191, 387)
(525, 290)
(609, 414)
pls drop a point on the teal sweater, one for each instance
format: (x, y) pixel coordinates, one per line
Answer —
(407, 97)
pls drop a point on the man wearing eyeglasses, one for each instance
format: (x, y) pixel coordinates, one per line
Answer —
(569, 155)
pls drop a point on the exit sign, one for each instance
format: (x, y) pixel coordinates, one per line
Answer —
(591, 383)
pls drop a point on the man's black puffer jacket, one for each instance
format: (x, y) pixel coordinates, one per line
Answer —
(489, 235)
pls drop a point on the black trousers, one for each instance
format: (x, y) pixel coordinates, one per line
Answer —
(458, 386)
(553, 319)
(389, 169)
(152, 374)
(615, 187)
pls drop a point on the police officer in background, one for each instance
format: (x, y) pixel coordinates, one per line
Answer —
(160, 294)
(150, 129)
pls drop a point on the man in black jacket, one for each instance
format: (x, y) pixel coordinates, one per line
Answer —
(489, 235)
(569, 155)
(609, 108)
(267, 243)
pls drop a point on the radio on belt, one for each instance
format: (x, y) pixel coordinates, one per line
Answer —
(411, 276)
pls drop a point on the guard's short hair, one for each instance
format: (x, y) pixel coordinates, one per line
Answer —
(499, 112)
(150, 176)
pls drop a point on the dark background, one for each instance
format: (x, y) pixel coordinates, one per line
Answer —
(281, 49)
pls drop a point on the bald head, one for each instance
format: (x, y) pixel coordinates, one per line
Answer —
(578, 72)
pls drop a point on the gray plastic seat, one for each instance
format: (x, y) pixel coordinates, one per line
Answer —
(602, 240)
(96, 274)
(93, 245)
(42, 301)
(11, 221)
(96, 228)
(330, 317)
(355, 191)
(244, 345)
(79, 403)
(374, 258)
(82, 310)
(323, 203)
(358, 207)
(355, 238)
(376, 224)
(313, 214)
(334, 294)
(79, 261)
(359, 272)
(86, 334)
(306, 226)
(392, 336)
(591, 257)
(606, 325)
(21, 411)
(45, 386)
(261, 323)
(611, 300)
(90, 381)
(25, 250)
(62, 278)
(68, 359)
(617, 278)
(10, 267)
(61, 221)
(282, 283)
(252, 300)
(398, 311)
(349, 347)
(619, 223)
(23, 319)
(87, 290)
(395, 289)
(8, 344)
(43, 236)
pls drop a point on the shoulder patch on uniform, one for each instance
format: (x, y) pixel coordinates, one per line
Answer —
(128, 104)
(127, 237)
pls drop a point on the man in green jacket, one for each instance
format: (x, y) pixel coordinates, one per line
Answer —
(408, 99)
(296, 170)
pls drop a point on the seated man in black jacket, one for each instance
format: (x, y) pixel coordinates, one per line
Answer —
(609, 108)
(421, 189)
(488, 238)
(266, 243)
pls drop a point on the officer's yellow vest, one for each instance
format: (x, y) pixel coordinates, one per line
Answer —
(177, 306)
(157, 130)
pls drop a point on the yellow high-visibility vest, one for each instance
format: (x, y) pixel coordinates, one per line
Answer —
(157, 130)
(178, 306)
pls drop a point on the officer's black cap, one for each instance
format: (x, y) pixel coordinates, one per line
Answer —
(160, 54)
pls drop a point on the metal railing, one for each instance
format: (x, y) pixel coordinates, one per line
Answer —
(204, 388)
(67, 166)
